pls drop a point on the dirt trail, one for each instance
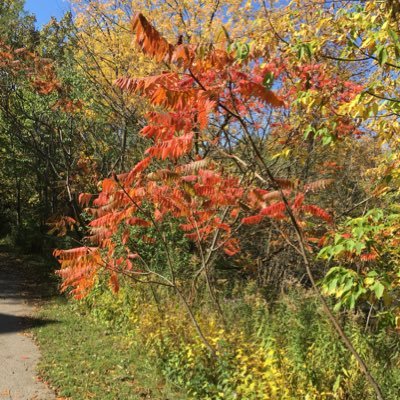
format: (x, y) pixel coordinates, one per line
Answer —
(18, 353)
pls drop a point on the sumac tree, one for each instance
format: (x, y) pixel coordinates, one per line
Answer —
(206, 172)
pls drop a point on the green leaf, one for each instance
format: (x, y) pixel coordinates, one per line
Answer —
(337, 306)
(243, 51)
(378, 288)
(338, 238)
(359, 247)
(393, 35)
(327, 140)
(268, 80)
(358, 232)
(307, 131)
(332, 286)
(308, 50)
(336, 385)
(382, 55)
(325, 253)
(369, 281)
(352, 302)
(350, 244)
(300, 52)
(349, 284)
(338, 249)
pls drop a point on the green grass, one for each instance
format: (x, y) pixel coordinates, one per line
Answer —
(83, 359)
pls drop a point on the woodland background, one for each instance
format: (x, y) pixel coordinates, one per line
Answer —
(220, 179)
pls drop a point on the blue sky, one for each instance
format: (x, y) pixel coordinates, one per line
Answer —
(44, 9)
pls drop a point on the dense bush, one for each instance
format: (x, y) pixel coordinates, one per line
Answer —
(285, 350)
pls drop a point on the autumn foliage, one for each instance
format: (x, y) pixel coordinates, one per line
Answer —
(176, 179)
(211, 163)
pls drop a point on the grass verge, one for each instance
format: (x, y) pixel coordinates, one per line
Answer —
(84, 359)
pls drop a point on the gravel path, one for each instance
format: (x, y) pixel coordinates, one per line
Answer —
(18, 353)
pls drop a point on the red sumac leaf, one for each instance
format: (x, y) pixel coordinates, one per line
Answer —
(317, 212)
(253, 220)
